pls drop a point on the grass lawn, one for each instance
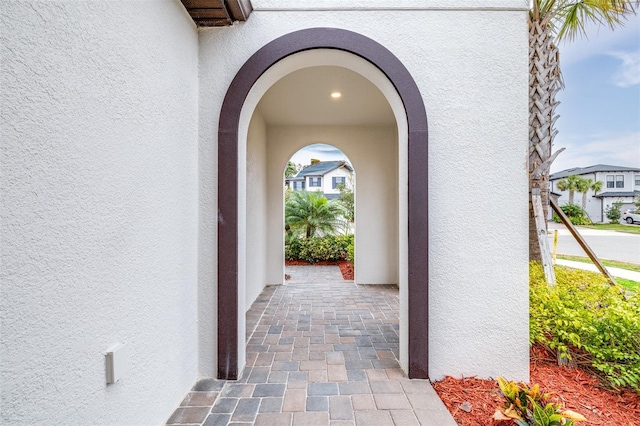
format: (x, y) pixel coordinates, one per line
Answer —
(612, 263)
(630, 229)
(628, 284)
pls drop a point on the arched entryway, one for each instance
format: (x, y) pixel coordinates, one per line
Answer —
(413, 135)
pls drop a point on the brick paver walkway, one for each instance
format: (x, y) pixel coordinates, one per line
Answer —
(320, 351)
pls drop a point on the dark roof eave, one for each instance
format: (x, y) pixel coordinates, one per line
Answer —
(617, 194)
(218, 13)
(322, 168)
(597, 168)
(240, 9)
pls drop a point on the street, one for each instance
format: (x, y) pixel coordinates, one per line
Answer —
(606, 244)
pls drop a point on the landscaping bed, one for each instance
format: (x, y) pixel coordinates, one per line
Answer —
(575, 389)
(594, 328)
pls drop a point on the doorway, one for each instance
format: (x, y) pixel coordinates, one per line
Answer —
(319, 208)
(303, 49)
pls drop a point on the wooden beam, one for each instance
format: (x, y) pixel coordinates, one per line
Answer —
(208, 14)
(203, 4)
(212, 22)
(543, 241)
(581, 241)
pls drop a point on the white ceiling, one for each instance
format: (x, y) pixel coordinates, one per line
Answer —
(303, 98)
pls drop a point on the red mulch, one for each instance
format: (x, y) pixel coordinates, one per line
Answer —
(576, 389)
(345, 266)
(347, 269)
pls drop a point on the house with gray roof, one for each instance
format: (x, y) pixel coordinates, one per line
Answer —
(324, 176)
(620, 184)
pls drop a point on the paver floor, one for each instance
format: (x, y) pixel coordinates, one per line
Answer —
(320, 351)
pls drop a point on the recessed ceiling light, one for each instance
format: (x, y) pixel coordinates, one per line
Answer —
(336, 95)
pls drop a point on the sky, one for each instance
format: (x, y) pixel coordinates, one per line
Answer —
(319, 151)
(600, 105)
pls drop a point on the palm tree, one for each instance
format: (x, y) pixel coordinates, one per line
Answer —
(588, 184)
(584, 185)
(311, 212)
(571, 184)
(596, 187)
(549, 22)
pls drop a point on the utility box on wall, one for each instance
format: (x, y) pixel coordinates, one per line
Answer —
(116, 362)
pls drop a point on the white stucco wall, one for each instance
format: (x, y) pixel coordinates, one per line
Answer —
(99, 210)
(469, 60)
(257, 197)
(373, 154)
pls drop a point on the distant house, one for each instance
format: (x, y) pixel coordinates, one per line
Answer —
(324, 176)
(619, 184)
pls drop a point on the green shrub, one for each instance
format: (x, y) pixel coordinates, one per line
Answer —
(317, 249)
(586, 319)
(575, 213)
(613, 212)
(292, 247)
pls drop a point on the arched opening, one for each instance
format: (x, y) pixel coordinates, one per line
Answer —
(319, 205)
(303, 49)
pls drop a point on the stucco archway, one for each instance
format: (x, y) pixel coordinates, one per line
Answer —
(416, 139)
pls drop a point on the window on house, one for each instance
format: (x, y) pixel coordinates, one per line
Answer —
(298, 186)
(637, 183)
(619, 181)
(315, 182)
(337, 180)
(610, 181)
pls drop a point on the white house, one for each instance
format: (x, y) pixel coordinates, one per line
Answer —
(323, 176)
(619, 185)
(142, 201)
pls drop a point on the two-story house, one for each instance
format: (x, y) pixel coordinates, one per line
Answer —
(619, 185)
(324, 176)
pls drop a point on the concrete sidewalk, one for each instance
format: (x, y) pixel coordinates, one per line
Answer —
(616, 272)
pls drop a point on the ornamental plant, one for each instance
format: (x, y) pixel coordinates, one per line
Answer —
(311, 213)
(576, 214)
(528, 406)
(586, 320)
(613, 212)
(317, 249)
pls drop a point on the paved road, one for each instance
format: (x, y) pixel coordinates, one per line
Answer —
(606, 244)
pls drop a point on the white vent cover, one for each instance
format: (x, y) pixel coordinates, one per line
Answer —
(116, 361)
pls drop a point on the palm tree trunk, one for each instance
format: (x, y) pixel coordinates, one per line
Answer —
(584, 200)
(571, 196)
(544, 83)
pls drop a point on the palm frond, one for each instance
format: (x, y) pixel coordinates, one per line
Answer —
(572, 16)
(311, 212)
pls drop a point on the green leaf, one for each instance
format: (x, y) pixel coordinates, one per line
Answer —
(540, 417)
